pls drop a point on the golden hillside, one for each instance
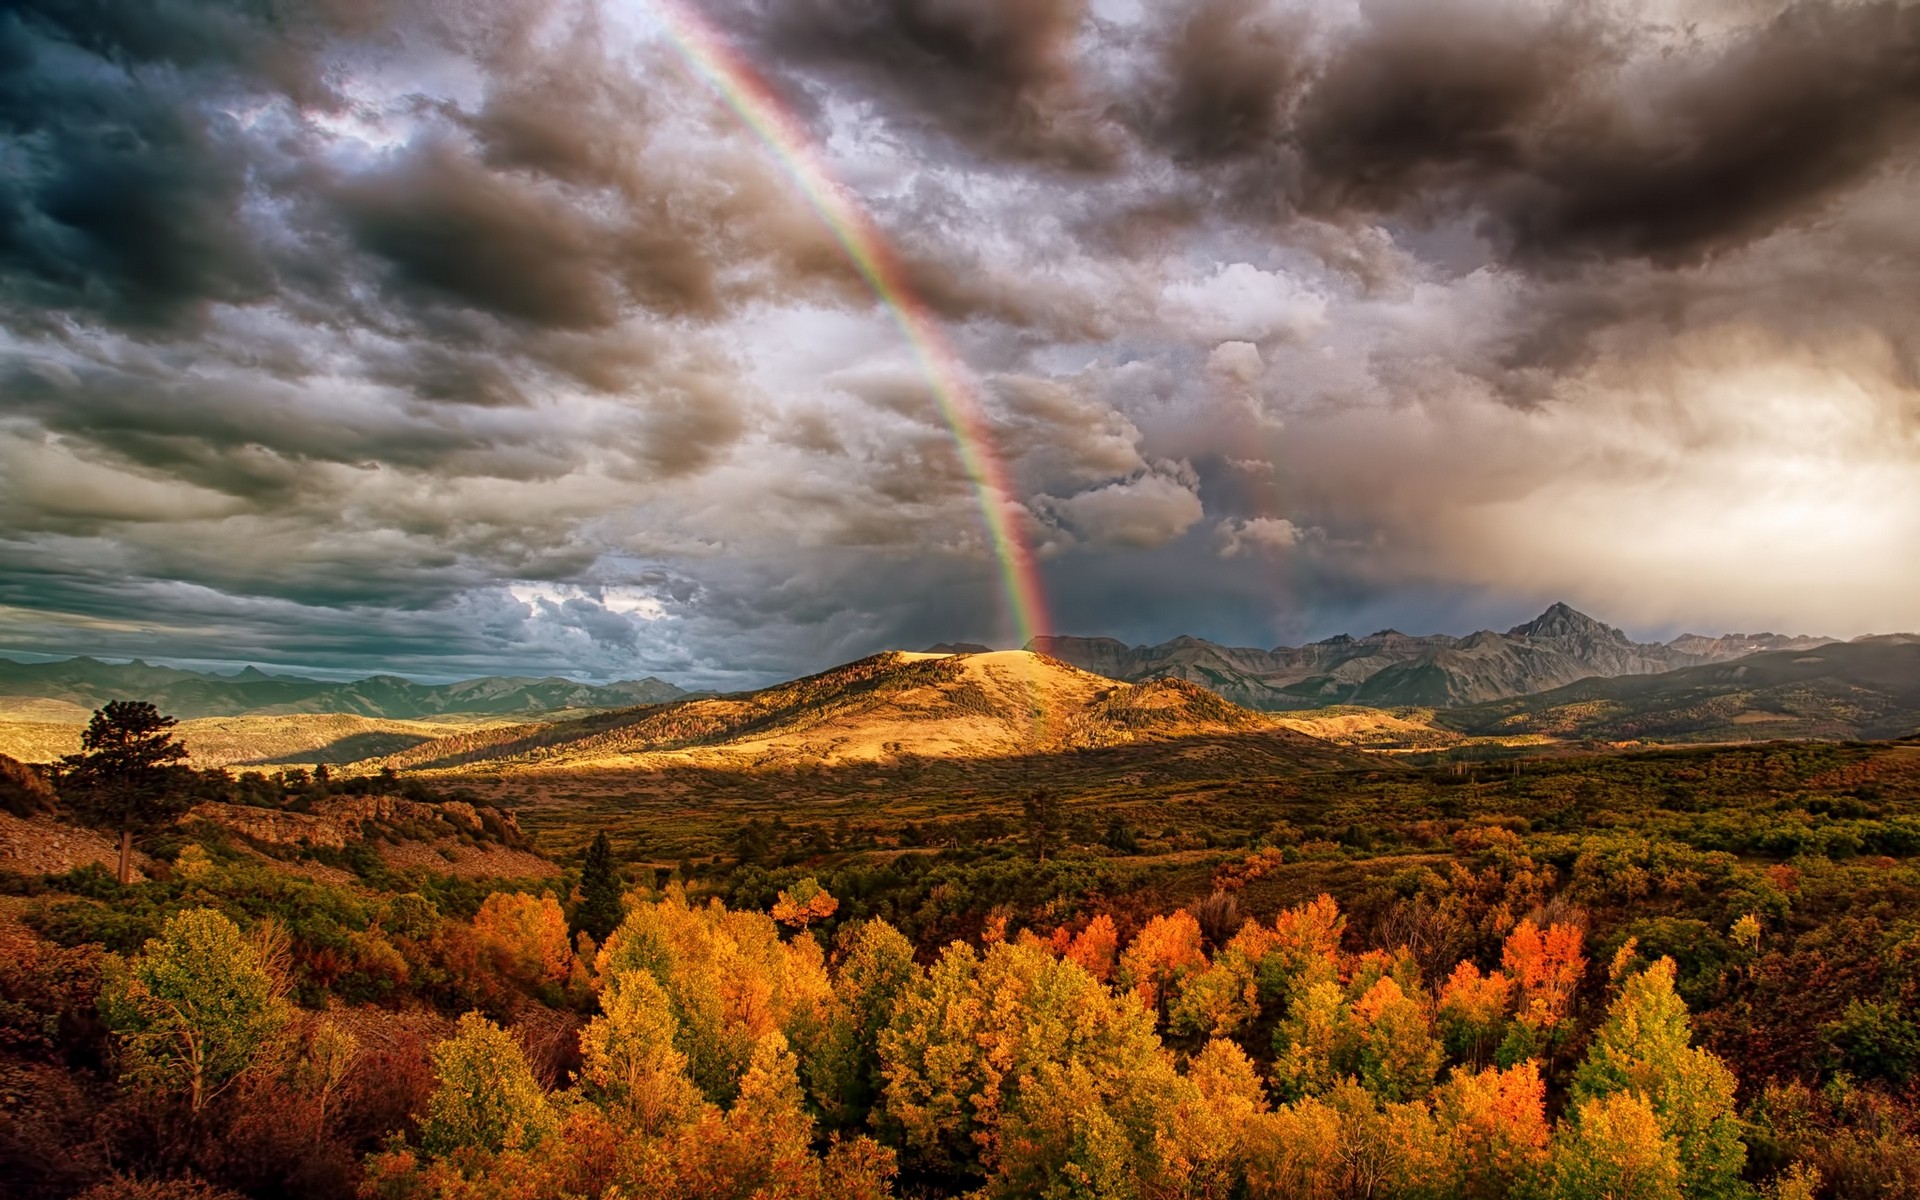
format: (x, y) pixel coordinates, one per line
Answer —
(294, 738)
(886, 708)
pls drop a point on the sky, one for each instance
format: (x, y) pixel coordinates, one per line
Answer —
(487, 338)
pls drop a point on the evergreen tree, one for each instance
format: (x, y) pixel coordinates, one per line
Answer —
(123, 777)
(601, 908)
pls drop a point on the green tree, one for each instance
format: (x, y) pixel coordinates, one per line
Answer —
(124, 775)
(601, 908)
(844, 1076)
(1644, 1048)
(487, 1097)
(1045, 818)
(196, 1009)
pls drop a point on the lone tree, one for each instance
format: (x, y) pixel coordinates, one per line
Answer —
(123, 777)
(1046, 819)
(601, 908)
(196, 1009)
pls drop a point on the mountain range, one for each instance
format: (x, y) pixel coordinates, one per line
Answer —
(70, 689)
(1868, 688)
(1389, 669)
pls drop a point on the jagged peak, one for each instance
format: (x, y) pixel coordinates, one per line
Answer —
(1563, 620)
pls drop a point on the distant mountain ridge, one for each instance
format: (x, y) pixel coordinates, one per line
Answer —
(1866, 688)
(1559, 647)
(90, 683)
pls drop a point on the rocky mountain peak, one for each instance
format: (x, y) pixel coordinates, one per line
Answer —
(1562, 620)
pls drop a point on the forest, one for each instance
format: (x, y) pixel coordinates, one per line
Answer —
(1685, 974)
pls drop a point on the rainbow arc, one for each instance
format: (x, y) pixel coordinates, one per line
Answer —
(955, 393)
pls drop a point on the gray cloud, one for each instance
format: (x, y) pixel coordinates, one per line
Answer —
(484, 338)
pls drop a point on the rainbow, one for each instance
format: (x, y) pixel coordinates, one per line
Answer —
(745, 92)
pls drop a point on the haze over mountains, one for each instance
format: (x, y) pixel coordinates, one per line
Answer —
(1387, 669)
(83, 684)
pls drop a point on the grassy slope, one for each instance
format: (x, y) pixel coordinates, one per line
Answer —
(303, 738)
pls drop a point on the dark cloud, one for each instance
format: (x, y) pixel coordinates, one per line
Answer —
(1742, 141)
(1224, 78)
(1001, 76)
(1571, 132)
(450, 228)
(120, 199)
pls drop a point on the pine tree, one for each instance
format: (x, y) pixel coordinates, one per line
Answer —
(123, 776)
(601, 908)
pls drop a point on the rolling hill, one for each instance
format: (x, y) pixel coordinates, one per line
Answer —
(1864, 689)
(74, 687)
(884, 709)
(296, 738)
(1391, 669)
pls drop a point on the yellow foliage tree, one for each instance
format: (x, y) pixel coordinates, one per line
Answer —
(729, 979)
(1613, 1149)
(1496, 1124)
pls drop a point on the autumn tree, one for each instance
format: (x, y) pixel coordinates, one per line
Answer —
(804, 903)
(486, 1098)
(844, 1075)
(527, 936)
(729, 978)
(1644, 1049)
(1302, 951)
(1314, 1045)
(1396, 1053)
(1473, 1012)
(195, 1010)
(1165, 952)
(601, 907)
(1096, 948)
(1613, 1149)
(1202, 1145)
(1020, 1067)
(123, 778)
(628, 1060)
(1496, 1123)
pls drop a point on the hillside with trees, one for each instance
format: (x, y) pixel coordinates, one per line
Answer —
(1661, 975)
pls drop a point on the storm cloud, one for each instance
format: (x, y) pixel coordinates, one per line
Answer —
(400, 336)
